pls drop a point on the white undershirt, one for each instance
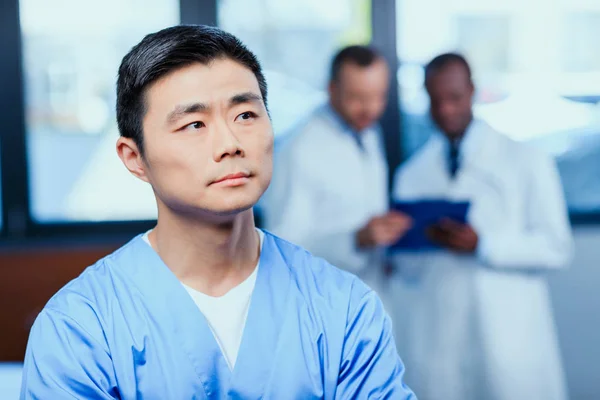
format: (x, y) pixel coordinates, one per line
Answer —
(226, 315)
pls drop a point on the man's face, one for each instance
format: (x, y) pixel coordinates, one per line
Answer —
(208, 139)
(451, 93)
(359, 94)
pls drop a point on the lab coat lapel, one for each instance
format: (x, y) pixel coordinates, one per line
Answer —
(482, 182)
(479, 148)
(175, 310)
(268, 308)
(438, 183)
(474, 160)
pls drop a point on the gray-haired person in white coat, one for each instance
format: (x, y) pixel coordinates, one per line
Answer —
(329, 188)
(480, 319)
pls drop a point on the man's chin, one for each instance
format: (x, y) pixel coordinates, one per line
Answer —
(232, 206)
(360, 126)
(220, 205)
(223, 215)
(452, 130)
(233, 210)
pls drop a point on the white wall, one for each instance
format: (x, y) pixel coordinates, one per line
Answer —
(576, 299)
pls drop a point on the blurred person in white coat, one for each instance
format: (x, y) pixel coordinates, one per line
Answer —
(329, 191)
(480, 322)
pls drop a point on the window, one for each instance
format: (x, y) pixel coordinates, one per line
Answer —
(295, 41)
(532, 91)
(71, 53)
(580, 50)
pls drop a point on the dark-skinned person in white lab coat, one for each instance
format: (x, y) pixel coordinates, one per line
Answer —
(479, 322)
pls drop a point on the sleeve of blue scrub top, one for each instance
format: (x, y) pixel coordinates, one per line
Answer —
(64, 361)
(370, 367)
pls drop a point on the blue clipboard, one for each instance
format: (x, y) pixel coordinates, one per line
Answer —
(425, 213)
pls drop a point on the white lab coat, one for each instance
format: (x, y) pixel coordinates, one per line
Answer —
(325, 188)
(481, 327)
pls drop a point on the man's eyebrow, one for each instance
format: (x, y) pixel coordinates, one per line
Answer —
(246, 97)
(182, 110)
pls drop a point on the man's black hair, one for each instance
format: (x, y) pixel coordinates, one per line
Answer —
(165, 51)
(362, 56)
(443, 60)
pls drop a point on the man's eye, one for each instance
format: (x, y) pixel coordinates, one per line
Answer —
(246, 116)
(195, 125)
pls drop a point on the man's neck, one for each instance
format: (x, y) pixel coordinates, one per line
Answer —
(211, 257)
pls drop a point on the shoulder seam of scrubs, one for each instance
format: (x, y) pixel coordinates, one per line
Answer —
(67, 289)
(89, 335)
(110, 258)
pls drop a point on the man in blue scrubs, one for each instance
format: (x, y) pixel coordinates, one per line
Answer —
(205, 306)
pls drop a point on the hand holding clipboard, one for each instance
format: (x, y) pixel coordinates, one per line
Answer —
(435, 224)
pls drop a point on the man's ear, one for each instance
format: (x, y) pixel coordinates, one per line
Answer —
(132, 157)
